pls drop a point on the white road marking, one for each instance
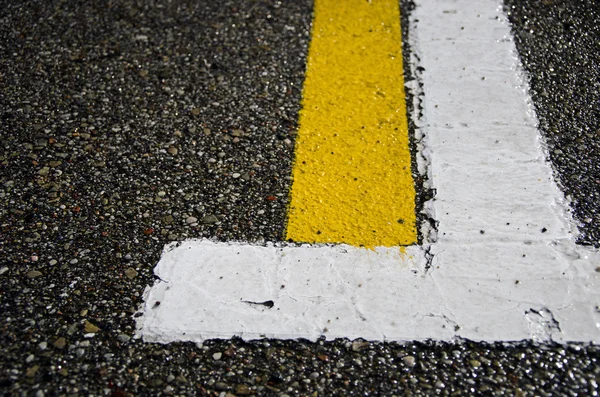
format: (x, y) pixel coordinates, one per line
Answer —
(502, 266)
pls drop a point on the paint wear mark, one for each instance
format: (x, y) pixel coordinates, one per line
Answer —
(268, 304)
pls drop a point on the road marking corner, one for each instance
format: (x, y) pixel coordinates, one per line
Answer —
(503, 266)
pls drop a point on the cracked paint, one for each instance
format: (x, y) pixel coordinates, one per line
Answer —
(542, 324)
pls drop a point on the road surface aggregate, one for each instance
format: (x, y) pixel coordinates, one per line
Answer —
(125, 125)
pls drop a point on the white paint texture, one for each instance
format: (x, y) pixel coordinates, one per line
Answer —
(489, 273)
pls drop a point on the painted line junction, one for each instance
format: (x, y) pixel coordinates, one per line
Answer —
(501, 265)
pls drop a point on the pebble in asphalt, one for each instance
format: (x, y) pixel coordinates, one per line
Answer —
(126, 125)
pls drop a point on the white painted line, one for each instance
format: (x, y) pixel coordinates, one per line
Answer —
(493, 274)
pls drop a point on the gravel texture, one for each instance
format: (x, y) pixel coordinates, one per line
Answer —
(125, 125)
(559, 44)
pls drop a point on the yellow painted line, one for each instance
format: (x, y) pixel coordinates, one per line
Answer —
(352, 180)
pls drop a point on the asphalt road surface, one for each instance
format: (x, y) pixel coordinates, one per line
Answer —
(125, 125)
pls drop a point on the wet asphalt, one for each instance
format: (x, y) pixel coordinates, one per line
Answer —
(125, 125)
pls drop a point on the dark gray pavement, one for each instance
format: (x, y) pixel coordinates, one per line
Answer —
(125, 125)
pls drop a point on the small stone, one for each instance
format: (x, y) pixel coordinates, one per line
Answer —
(236, 175)
(72, 329)
(32, 371)
(475, 363)
(221, 386)
(155, 382)
(314, 375)
(218, 355)
(172, 150)
(30, 358)
(242, 390)
(55, 163)
(60, 343)
(123, 338)
(409, 361)
(44, 171)
(34, 273)
(210, 219)
(358, 346)
(3, 270)
(131, 273)
(238, 133)
(168, 219)
(43, 345)
(90, 328)
(39, 393)
(191, 219)
(439, 384)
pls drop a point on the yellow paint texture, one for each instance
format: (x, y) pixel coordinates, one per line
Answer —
(352, 180)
